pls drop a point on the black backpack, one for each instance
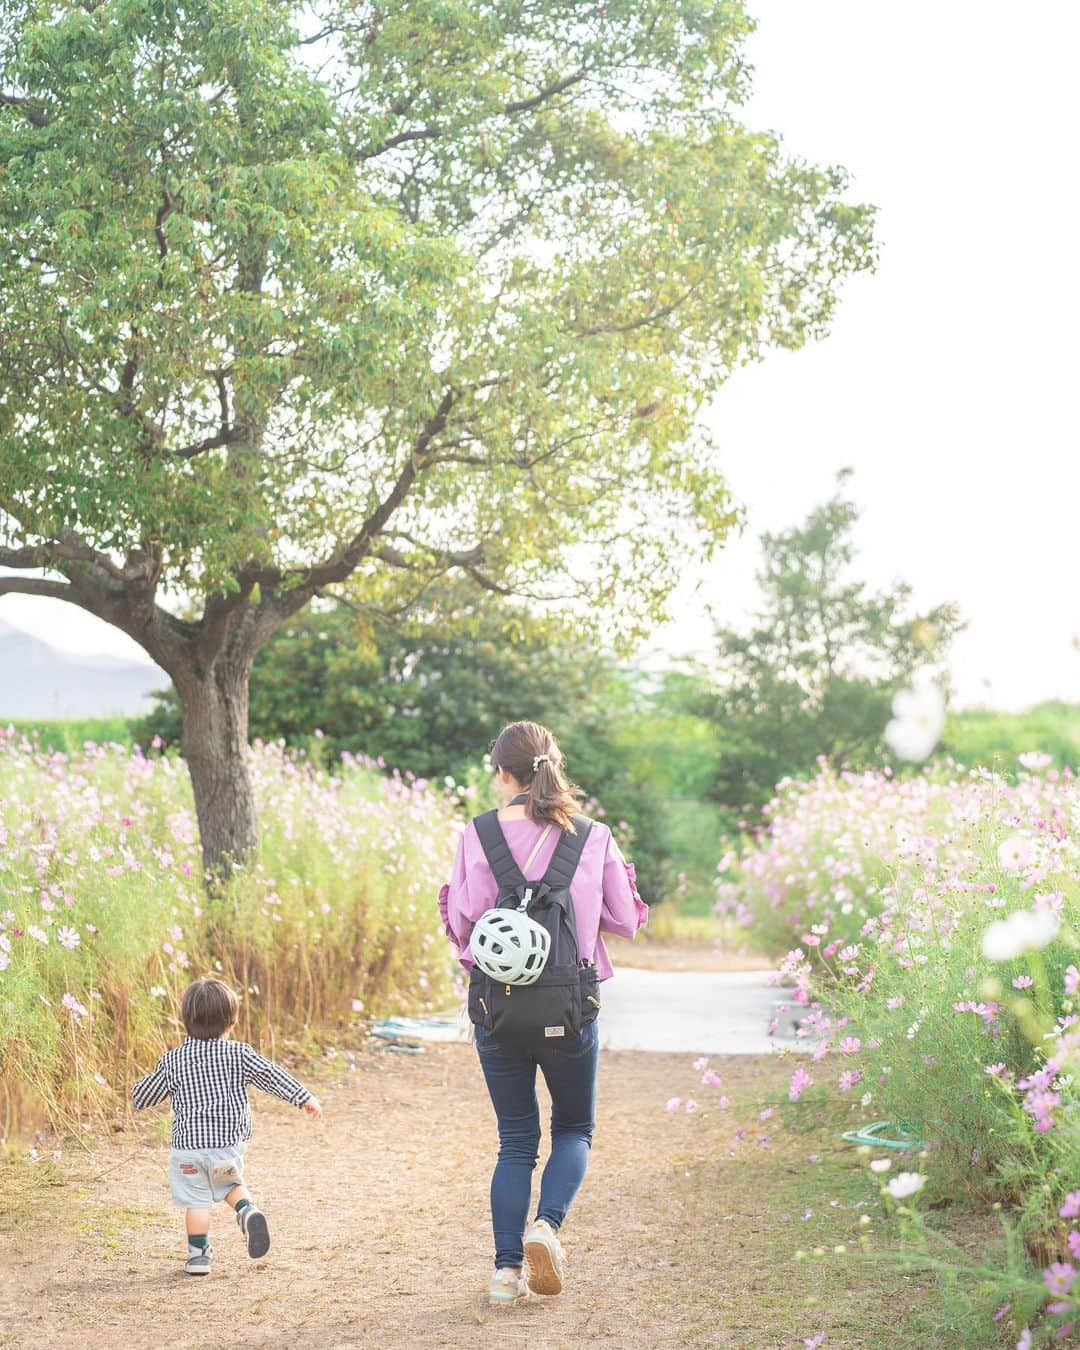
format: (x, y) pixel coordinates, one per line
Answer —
(566, 996)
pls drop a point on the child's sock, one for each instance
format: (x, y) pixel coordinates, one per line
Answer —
(200, 1240)
(241, 1205)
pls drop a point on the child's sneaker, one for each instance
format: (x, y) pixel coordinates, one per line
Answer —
(253, 1225)
(507, 1286)
(198, 1262)
(545, 1259)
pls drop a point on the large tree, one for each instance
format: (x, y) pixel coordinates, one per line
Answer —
(303, 297)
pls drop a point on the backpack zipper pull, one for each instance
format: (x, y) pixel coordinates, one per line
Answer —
(507, 991)
(484, 1006)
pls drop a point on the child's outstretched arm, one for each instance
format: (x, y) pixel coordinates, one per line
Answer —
(152, 1089)
(272, 1078)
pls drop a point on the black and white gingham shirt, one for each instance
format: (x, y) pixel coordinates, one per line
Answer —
(207, 1081)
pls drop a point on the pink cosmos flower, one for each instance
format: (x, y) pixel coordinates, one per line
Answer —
(1074, 1245)
(1070, 1209)
(764, 1115)
(691, 1107)
(1034, 759)
(850, 1045)
(1014, 853)
(723, 1103)
(1072, 980)
(1023, 982)
(1059, 1276)
(848, 1079)
(800, 1081)
(700, 1064)
(673, 1103)
(74, 1007)
(68, 937)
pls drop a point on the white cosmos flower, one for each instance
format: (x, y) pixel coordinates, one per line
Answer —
(905, 1184)
(880, 1165)
(1022, 931)
(1014, 853)
(918, 720)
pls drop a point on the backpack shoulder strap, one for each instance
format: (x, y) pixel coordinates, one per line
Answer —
(507, 873)
(567, 855)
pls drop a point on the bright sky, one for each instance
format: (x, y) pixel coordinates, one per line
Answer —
(944, 383)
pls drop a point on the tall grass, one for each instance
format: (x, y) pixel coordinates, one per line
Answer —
(103, 917)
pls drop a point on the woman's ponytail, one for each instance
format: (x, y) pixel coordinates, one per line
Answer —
(531, 754)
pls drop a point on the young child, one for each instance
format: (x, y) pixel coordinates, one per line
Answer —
(207, 1077)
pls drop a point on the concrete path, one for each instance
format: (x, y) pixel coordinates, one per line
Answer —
(673, 1012)
(711, 1013)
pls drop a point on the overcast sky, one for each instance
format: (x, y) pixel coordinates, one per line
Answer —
(945, 381)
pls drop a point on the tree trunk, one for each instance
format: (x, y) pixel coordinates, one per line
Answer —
(215, 745)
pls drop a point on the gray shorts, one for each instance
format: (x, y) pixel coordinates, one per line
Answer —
(199, 1177)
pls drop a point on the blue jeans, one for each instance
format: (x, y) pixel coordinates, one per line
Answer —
(570, 1075)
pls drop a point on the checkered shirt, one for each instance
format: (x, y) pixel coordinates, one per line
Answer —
(207, 1081)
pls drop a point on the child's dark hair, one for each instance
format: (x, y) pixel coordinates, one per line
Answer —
(208, 1009)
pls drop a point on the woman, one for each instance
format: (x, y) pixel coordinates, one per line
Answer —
(538, 804)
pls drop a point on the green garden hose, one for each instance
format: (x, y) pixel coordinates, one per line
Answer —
(884, 1134)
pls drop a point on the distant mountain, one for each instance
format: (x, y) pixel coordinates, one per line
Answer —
(38, 681)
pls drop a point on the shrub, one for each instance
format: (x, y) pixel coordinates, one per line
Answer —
(933, 930)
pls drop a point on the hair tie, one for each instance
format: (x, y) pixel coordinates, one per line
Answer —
(540, 759)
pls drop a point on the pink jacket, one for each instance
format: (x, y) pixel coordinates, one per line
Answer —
(603, 892)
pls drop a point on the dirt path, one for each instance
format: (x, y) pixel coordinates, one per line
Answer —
(379, 1222)
(684, 1234)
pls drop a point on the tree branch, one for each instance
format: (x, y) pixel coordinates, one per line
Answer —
(236, 435)
(337, 568)
(19, 557)
(402, 138)
(528, 104)
(645, 319)
(66, 547)
(52, 590)
(445, 558)
(33, 112)
(507, 110)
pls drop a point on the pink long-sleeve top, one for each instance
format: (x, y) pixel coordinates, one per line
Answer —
(603, 892)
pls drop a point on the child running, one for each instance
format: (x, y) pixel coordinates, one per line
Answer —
(206, 1077)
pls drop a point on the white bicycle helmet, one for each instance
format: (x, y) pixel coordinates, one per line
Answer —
(509, 946)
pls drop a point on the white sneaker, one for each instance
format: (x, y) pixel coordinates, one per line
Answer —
(545, 1259)
(507, 1286)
